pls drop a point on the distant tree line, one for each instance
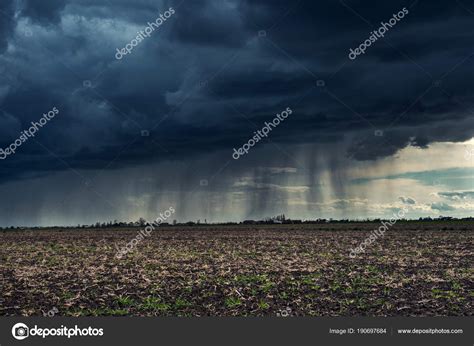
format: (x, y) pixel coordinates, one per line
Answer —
(279, 219)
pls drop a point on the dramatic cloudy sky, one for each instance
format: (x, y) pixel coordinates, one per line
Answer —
(393, 127)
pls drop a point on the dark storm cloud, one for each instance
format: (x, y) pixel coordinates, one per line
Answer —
(209, 23)
(45, 12)
(205, 80)
(6, 22)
